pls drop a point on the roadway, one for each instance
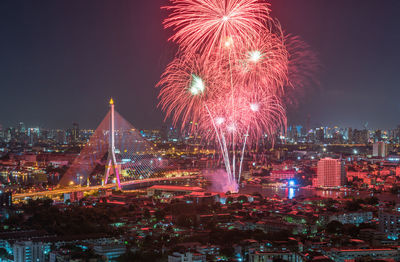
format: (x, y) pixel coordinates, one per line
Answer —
(90, 188)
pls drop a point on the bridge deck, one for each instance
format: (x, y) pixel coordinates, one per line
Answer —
(90, 188)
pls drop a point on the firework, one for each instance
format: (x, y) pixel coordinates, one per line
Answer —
(186, 85)
(206, 26)
(303, 67)
(231, 74)
(263, 63)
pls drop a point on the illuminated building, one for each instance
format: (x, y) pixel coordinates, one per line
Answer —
(28, 251)
(272, 256)
(189, 257)
(320, 136)
(5, 199)
(355, 218)
(389, 224)
(33, 135)
(173, 190)
(342, 255)
(360, 136)
(330, 173)
(75, 135)
(282, 174)
(110, 251)
(73, 196)
(379, 149)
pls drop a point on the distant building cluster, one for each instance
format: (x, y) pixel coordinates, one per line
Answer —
(31, 136)
(339, 135)
(294, 134)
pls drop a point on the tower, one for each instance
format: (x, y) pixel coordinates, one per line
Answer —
(112, 166)
(330, 173)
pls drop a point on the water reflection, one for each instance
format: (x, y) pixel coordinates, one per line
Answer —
(291, 193)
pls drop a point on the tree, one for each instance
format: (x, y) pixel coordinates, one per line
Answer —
(3, 254)
(334, 227)
(371, 201)
(351, 230)
(242, 199)
(257, 194)
(159, 214)
(229, 200)
(353, 205)
(146, 213)
(186, 220)
(227, 251)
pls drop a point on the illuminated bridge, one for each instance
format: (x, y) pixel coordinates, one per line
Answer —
(133, 184)
(116, 152)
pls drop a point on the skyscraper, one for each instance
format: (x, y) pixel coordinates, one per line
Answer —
(379, 149)
(330, 173)
(5, 198)
(29, 251)
(75, 134)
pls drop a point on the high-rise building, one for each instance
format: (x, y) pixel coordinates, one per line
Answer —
(60, 136)
(360, 136)
(75, 134)
(379, 149)
(29, 251)
(164, 133)
(389, 223)
(1, 133)
(397, 134)
(5, 199)
(330, 173)
(33, 135)
(320, 134)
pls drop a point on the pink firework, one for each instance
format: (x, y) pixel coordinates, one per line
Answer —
(186, 85)
(254, 114)
(207, 26)
(263, 63)
(232, 73)
(303, 67)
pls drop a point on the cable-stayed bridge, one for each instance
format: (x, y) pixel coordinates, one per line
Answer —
(116, 152)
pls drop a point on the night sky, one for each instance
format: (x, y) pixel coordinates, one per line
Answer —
(61, 61)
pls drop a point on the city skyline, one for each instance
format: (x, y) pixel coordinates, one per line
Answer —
(59, 71)
(281, 140)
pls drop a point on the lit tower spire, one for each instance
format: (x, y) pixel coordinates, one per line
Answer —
(112, 166)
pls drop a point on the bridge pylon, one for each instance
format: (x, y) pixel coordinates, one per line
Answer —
(112, 166)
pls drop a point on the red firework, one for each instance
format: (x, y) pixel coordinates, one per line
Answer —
(186, 85)
(231, 73)
(303, 67)
(253, 114)
(263, 63)
(207, 26)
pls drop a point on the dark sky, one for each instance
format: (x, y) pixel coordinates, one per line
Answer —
(60, 61)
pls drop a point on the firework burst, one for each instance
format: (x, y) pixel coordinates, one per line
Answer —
(231, 75)
(206, 26)
(186, 85)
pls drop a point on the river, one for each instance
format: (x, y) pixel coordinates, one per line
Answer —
(291, 193)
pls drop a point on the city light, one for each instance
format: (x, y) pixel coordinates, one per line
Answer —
(247, 163)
